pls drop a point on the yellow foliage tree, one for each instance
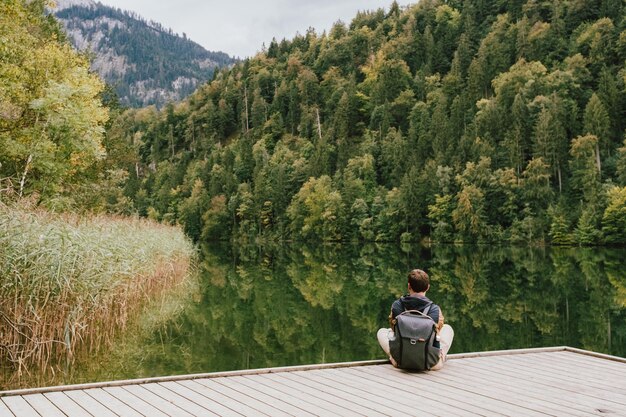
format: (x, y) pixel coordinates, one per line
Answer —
(51, 117)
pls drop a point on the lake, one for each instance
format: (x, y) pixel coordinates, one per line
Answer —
(276, 305)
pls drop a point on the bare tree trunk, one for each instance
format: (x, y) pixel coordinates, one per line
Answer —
(608, 328)
(598, 158)
(192, 145)
(171, 140)
(245, 97)
(319, 125)
(26, 168)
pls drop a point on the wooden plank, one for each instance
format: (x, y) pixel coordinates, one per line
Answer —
(473, 405)
(218, 397)
(380, 387)
(90, 404)
(466, 392)
(199, 399)
(379, 404)
(65, 404)
(19, 407)
(572, 380)
(461, 392)
(431, 399)
(235, 383)
(315, 393)
(182, 402)
(287, 390)
(257, 385)
(134, 402)
(551, 393)
(112, 403)
(549, 379)
(583, 366)
(616, 368)
(42, 405)
(538, 372)
(521, 390)
(358, 400)
(162, 404)
(258, 406)
(563, 366)
(462, 395)
(4, 410)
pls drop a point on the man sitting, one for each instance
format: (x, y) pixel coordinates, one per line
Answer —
(418, 284)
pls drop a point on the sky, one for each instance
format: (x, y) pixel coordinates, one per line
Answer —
(240, 27)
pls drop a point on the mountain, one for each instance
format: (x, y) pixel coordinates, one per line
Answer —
(145, 62)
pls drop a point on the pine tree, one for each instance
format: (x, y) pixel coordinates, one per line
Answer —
(550, 140)
(621, 164)
(585, 173)
(614, 217)
(596, 122)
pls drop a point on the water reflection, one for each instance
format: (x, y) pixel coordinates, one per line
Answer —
(287, 305)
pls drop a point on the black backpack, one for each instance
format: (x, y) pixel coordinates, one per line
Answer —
(412, 346)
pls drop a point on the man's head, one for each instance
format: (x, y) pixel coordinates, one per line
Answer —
(418, 281)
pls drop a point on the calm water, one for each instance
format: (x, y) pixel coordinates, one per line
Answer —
(288, 305)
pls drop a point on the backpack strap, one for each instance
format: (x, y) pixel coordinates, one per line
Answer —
(420, 313)
(427, 309)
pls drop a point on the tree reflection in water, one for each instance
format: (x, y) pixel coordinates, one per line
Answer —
(299, 304)
(275, 305)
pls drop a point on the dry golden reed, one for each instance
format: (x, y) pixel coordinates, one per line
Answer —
(71, 282)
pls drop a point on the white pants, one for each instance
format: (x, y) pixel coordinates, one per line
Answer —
(446, 334)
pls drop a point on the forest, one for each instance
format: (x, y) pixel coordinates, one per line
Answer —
(456, 121)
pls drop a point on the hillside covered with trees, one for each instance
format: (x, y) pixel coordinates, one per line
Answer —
(143, 61)
(463, 120)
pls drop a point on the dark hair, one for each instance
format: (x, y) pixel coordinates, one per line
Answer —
(418, 280)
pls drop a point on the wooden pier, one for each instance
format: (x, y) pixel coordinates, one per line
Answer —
(558, 381)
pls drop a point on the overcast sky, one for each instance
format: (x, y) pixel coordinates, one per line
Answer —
(240, 27)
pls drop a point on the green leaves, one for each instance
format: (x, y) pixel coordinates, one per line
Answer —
(316, 210)
(465, 121)
(614, 217)
(52, 119)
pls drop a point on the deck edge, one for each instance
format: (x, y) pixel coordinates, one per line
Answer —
(243, 372)
(595, 354)
(258, 371)
(506, 352)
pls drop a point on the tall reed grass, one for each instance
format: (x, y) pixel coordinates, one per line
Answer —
(69, 283)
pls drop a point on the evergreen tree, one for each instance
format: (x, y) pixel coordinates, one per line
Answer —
(596, 122)
(614, 218)
(550, 140)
